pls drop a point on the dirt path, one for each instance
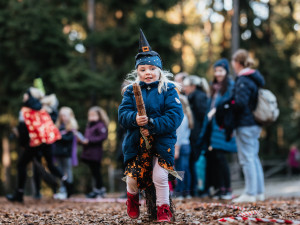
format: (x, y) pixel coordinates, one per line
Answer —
(75, 211)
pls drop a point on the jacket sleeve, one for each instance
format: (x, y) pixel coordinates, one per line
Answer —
(180, 131)
(127, 111)
(242, 94)
(201, 138)
(172, 116)
(67, 137)
(100, 136)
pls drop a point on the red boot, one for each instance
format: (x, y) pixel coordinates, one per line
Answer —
(133, 206)
(164, 213)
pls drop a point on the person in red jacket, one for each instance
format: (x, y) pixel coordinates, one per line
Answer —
(95, 133)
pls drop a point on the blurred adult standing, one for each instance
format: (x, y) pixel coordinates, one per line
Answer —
(247, 129)
(197, 90)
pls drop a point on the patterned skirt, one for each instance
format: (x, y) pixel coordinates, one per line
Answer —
(140, 168)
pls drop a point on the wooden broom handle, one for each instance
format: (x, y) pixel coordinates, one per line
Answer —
(139, 100)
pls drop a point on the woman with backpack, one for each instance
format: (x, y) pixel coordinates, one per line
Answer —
(248, 130)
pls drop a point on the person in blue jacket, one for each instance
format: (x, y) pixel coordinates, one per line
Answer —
(148, 146)
(213, 138)
(248, 131)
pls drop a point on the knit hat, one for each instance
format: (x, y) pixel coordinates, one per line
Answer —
(146, 56)
(223, 63)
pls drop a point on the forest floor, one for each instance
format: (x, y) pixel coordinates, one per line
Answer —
(78, 210)
(283, 203)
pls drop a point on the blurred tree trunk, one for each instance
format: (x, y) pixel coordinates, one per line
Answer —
(183, 42)
(92, 50)
(91, 25)
(235, 44)
(6, 161)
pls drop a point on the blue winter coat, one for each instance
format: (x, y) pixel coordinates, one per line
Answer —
(245, 96)
(217, 137)
(166, 114)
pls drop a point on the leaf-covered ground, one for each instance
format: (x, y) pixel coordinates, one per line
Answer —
(194, 211)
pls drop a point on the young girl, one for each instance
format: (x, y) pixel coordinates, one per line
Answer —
(63, 150)
(95, 134)
(149, 169)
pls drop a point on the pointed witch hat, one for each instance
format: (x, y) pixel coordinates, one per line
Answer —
(145, 50)
(144, 44)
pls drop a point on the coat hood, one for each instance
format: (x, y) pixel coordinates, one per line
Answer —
(255, 75)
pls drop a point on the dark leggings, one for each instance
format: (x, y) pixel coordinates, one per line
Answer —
(28, 155)
(36, 174)
(95, 168)
(217, 170)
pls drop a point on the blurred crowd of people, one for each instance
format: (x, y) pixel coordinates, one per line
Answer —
(46, 131)
(203, 146)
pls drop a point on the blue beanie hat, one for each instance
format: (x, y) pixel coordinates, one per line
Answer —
(149, 60)
(223, 63)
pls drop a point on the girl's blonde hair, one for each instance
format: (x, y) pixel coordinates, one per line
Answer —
(164, 79)
(187, 110)
(72, 124)
(101, 113)
(242, 57)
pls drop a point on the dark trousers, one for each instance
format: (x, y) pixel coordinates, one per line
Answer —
(217, 170)
(95, 168)
(28, 155)
(36, 174)
(182, 164)
(194, 179)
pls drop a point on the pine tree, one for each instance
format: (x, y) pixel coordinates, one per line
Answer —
(117, 34)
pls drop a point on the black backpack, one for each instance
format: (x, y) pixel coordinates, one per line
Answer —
(225, 116)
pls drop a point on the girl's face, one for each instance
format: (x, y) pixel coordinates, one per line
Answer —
(220, 74)
(93, 116)
(64, 117)
(148, 73)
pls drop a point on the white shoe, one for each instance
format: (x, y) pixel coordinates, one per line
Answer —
(260, 197)
(227, 196)
(244, 198)
(179, 198)
(60, 196)
(188, 197)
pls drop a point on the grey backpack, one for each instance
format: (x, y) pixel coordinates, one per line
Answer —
(266, 110)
